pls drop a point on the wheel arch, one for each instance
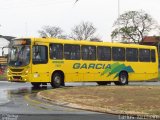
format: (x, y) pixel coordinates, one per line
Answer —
(124, 72)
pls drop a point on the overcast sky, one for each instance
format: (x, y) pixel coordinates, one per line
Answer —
(21, 18)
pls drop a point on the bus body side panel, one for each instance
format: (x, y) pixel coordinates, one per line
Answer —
(78, 71)
(143, 71)
(87, 70)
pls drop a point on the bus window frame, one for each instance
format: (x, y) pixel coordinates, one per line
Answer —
(124, 54)
(51, 57)
(139, 56)
(76, 58)
(40, 60)
(154, 55)
(110, 57)
(95, 57)
(131, 60)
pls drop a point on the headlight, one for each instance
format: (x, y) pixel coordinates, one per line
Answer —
(27, 71)
(8, 71)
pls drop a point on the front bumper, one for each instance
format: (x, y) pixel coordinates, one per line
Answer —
(18, 78)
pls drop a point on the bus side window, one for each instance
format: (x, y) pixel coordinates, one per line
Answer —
(104, 53)
(40, 54)
(88, 52)
(56, 51)
(153, 56)
(84, 53)
(118, 54)
(71, 52)
(132, 54)
(144, 55)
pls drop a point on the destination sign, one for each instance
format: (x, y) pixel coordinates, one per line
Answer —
(21, 42)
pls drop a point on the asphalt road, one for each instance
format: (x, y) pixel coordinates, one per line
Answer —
(18, 102)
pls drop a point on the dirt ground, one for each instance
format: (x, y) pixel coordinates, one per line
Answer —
(127, 99)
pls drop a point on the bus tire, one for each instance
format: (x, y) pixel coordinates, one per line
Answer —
(103, 83)
(57, 80)
(123, 78)
(36, 84)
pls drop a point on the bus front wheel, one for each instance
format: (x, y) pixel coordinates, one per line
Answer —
(56, 80)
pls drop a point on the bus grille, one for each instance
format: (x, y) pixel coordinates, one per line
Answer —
(17, 77)
(16, 70)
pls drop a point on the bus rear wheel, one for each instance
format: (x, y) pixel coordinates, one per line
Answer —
(36, 84)
(123, 79)
(103, 83)
(57, 80)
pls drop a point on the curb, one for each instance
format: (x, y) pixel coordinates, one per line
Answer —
(3, 80)
(3, 103)
(124, 114)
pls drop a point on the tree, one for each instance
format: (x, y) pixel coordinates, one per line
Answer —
(51, 31)
(95, 39)
(83, 31)
(132, 26)
(76, 1)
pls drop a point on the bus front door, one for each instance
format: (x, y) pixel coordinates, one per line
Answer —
(40, 71)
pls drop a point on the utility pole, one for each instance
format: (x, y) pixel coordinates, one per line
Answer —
(26, 29)
(118, 12)
(118, 8)
(118, 17)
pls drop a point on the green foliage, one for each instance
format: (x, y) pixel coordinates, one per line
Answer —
(132, 26)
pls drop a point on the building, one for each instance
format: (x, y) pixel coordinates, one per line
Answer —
(4, 42)
(3, 46)
(151, 40)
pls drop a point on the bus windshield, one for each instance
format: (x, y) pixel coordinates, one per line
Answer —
(19, 55)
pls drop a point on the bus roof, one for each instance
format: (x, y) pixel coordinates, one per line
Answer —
(85, 42)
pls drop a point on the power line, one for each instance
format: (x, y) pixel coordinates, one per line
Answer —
(76, 1)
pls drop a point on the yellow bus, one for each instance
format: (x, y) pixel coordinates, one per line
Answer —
(56, 61)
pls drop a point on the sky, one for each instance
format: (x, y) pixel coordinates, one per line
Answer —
(23, 18)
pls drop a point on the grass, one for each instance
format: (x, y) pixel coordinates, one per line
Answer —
(131, 99)
(3, 76)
